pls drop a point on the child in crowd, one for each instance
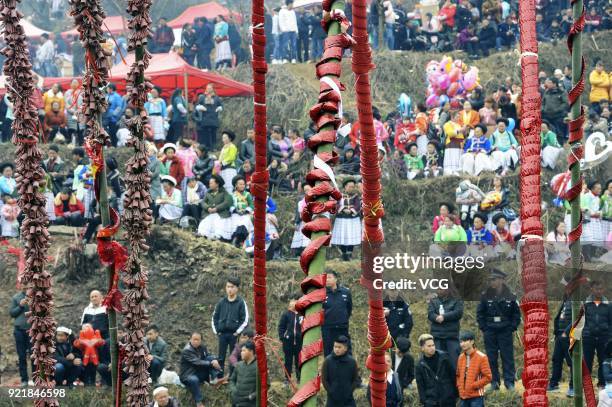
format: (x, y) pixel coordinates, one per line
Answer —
(432, 160)
(8, 219)
(414, 162)
(468, 196)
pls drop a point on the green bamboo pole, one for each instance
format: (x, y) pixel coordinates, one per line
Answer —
(112, 315)
(310, 368)
(576, 250)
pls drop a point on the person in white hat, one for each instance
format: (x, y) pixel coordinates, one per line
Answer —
(68, 363)
(171, 164)
(170, 202)
(161, 398)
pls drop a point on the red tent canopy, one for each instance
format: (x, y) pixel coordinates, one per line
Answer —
(169, 72)
(209, 10)
(114, 24)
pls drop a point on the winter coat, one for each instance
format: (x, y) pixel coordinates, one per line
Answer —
(554, 103)
(394, 395)
(290, 328)
(194, 360)
(174, 169)
(340, 377)
(472, 377)
(210, 116)
(247, 150)
(399, 320)
(230, 316)
(563, 319)
(338, 307)
(74, 205)
(600, 85)
(18, 312)
(159, 349)
(436, 386)
(598, 318)
(243, 384)
(203, 168)
(405, 370)
(453, 311)
(221, 200)
(498, 312)
(98, 319)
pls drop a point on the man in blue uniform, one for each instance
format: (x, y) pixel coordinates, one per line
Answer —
(338, 307)
(562, 324)
(398, 315)
(499, 316)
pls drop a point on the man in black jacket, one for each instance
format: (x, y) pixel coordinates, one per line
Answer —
(444, 313)
(338, 307)
(95, 314)
(196, 366)
(597, 328)
(398, 315)
(486, 37)
(229, 319)
(499, 316)
(303, 42)
(463, 15)
(562, 324)
(435, 376)
(340, 375)
(158, 353)
(68, 362)
(403, 363)
(19, 307)
(290, 334)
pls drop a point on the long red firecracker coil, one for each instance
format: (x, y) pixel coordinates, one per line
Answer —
(259, 189)
(138, 215)
(34, 233)
(323, 197)
(373, 236)
(534, 302)
(576, 134)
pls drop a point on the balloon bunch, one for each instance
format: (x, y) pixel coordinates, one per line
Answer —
(449, 82)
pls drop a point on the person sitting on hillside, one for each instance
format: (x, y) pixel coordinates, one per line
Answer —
(197, 366)
(242, 211)
(228, 158)
(475, 158)
(432, 160)
(445, 209)
(468, 196)
(158, 353)
(9, 212)
(161, 398)
(55, 122)
(502, 238)
(217, 222)
(68, 361)
(557, 245)
(505, 147)
(414, 162)
(187, 156)
(299, 241)
(69, 210)
(170, 202)
(193, 195)
(480, 240)
(347, 226)
(550, 147)
(449, 239)
(203, 167)
(349, 163)
(247, 335)
(171, 164)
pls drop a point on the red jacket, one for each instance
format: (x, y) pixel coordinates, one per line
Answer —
(176, 170)
(73, 205)
(472, 380)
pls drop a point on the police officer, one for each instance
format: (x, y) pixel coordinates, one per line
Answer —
(444, 313)
(398, 315)
(597, 328)
(498, 316)
(338, 307)
(562, 324)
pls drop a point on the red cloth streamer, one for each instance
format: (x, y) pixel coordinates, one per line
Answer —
(372, 207)
(323, 196)
(259, 189)
(534, 302)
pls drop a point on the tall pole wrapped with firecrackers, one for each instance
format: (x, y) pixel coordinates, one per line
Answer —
(138, 216)
(259, 189)
(534, 303)
(583, 387)
(321, 201)
(89, 17)
(30, 175)
(373, 236)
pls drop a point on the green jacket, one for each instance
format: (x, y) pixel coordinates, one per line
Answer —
(158, 349)
(243, 384)
(221, 200)
(549, 139)
(18, 312)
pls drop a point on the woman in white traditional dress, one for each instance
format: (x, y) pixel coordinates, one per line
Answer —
(590, 203)
(505, 147)
(550, 147)
(156, 109)
(217, 222)
(299, 241)
(170, 202)
(227, 158)
(221, 36)
(347, 225)
(475, 158)
(453, 148)
(242, 211)
(557, 245)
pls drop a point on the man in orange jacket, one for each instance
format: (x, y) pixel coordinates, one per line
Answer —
(473, 372)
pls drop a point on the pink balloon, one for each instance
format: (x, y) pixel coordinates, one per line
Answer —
(454, 75)
(444, 82)
(432, 101)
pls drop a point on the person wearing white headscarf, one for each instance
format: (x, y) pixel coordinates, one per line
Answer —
(161, 398)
